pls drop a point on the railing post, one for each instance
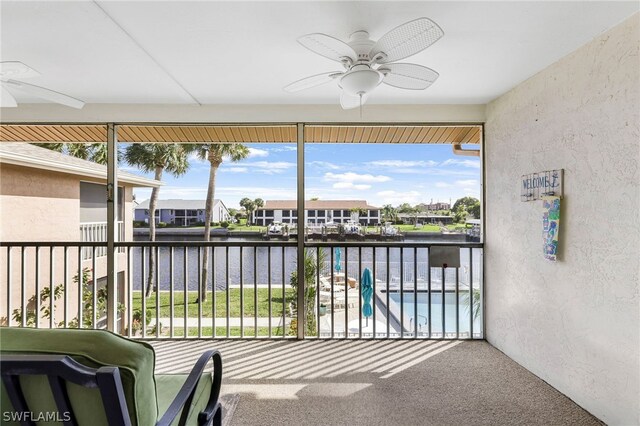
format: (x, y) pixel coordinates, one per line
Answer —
(112, 226)
(300, 236)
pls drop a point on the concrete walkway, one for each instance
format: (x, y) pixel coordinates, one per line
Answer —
(221, 322)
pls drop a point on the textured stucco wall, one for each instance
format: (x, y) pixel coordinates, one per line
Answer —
(574, 323)
(40, 205)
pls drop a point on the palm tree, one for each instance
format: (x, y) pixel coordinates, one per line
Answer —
(157, 158)
(215, 153)
(389, 212)
(258, 203)
(249, 206)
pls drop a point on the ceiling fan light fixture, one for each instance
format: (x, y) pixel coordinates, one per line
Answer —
(361, 79)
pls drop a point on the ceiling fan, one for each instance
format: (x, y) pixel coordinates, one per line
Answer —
(368, 63)
(10, 75)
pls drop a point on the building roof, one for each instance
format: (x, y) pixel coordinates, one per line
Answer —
(422, 215)
(318, 205)
(437, 203)
(28, 155)
(178, 204)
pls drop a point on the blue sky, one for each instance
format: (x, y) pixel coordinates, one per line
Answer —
(379, 173)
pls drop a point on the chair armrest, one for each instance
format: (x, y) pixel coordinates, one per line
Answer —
(183, 399)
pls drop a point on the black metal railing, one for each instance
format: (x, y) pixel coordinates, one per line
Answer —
(250, 289)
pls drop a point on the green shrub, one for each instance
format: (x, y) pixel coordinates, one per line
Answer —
(87, 303)
(140, 224)
(136, 320)
(162, 224)
(224, 224)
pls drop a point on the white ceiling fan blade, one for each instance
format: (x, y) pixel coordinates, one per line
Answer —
(313, 81)
(328, 46)
(16, 69)
(408, 76)
(6, 99)
(350, 101)
(406, 40)
(47, 94)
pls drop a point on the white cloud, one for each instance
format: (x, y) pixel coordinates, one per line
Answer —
(443, 185)
(255, 152)
(465, 163)
(262, 167)
(397, 197)
(403, 163)
(437, 171)
(234, 169)
(325, 165)
(283, 148)
(354, 177)
(350, 185)
(282, 165)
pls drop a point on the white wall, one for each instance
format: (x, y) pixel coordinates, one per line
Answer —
(574, 323)
(123, 113)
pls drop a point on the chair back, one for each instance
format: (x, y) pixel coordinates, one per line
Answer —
(100, 354)
(60, 370)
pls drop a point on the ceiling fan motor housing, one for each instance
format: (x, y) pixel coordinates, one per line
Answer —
(361, 44)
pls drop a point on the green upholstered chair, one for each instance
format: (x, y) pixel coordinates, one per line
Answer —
(94, 377)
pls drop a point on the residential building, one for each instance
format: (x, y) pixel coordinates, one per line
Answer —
(182, 212)
(434, 206)
(60, 199)
(317, 212)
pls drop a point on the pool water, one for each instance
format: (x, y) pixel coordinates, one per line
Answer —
(436, 313)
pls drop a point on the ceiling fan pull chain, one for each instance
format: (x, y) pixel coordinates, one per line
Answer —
(360, 105)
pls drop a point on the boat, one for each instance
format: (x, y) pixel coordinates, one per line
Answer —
(277, 230)
(353, 230)
(388, 230)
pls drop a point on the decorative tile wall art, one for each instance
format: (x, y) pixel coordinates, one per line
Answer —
(550, 226)
(534, 186)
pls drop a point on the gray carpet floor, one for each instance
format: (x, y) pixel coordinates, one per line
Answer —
(377, 383)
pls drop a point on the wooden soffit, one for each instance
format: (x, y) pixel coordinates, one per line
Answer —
(449, 134)
(129, 133)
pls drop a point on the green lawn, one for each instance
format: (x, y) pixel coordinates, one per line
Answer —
(242, 226)
(424, 228)
(238, 227)
(221, 303)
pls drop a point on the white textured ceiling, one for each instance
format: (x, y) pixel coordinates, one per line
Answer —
(245, 52)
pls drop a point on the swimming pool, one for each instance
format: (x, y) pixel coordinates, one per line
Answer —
(436, 313)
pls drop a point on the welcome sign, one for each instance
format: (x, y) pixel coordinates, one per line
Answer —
(535, 186)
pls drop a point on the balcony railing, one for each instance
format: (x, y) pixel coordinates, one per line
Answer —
(250, 290)
(96, 232)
